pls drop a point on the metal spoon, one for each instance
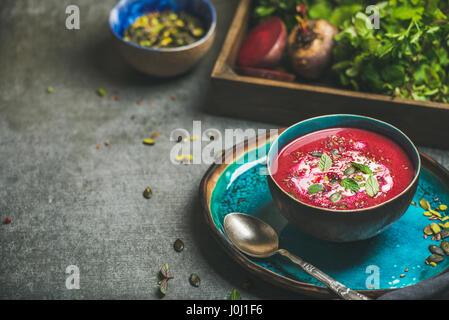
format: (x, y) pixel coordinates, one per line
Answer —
(258, 239)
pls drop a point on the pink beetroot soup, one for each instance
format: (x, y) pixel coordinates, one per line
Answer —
(343, 168)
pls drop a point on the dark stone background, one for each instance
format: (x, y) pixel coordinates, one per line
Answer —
(72, 204)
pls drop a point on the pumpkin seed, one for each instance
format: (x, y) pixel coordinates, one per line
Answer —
(316, 154)
(445, 246)
(445, 218)
(178, 245)
(428, 231)
(435, 258)
(427, 213)
(436, 213)
(443, 207)
(164, 29)
(149, 142)
(334, 151)
(194, 280)
(349, 170)
(435, 228)
(444, 233)
(148, 193)
(436, 250)
(335, 197)
(424, 204)
(102, 93)
(444, 225)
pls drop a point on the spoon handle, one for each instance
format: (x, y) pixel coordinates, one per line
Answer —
(342, 291)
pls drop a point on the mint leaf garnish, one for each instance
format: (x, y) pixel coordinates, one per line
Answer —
(362, 167)
(314, 188)
(372, 186)
(349, 183)
(325, 162)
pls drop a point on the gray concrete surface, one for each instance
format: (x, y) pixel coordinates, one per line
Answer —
(72, 204)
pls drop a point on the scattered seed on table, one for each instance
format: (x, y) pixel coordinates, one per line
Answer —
(433, 264)
(8, 220)
(149, 142)
(173, 97)
(178, 245)
(148, 193)
(443, 207)
(98, 146)
(194, 280)
(155, 135)
(139, 102)
(107, 144)
(184, 158)
(406, 270)
(436, 199)
(402, 275)
(101, 92)
(133, 117)
(50, 89)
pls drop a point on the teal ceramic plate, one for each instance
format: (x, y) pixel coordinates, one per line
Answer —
(373, 266)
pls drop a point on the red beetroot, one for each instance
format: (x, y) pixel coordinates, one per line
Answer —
(310, 47)
(264, 45)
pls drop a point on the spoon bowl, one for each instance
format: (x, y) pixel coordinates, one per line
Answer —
(256, 238)
(250, 235)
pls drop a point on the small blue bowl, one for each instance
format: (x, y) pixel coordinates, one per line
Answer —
(162, 62)
(342, 225)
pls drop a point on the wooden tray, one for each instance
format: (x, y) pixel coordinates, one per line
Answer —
(284, 103)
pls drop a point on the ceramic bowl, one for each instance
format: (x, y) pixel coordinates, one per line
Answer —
(162, 62)
(343, 225)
